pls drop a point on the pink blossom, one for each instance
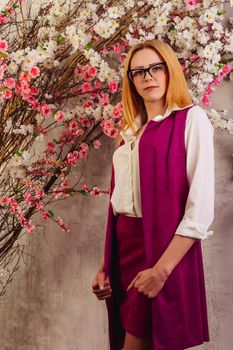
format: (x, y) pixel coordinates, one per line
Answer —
(107, 124)
(10, 10)
(45, 110)
(73, 125)
(96, 144)
(50, 148)
(122, 57)
(88, 104)
(117, 110)
(39, 193)
(104, 100)
(191, 3)
(3, 19)
(25, 76)
(117, 48)
(104, 51)
(39, 205)
(64, 183)
(30, 226)
(76, 154)
(22, 220)
(108, 128)
(59, 116)
(85, 187)
(34, 72)
(209, 89)
(25, 87)
(34, 90)
(14, 207)
(98, 84)
(28, 199)
(92, 71)
(206, 101)
(3, 45)
(96, 191)
(45, 215)
(78, 70)
(4, 201)
(194, 58)
(113, 86)
(217, 81)
(9, 82)
(71, 159)
(79, 132)
(86, 87)
(113, 133)
(7, 94)
(85, 122)
(61, 224)
(42, 130)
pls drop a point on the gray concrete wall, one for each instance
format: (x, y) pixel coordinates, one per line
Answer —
(50, 306)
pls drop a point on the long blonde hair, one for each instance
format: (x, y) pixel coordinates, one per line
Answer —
(177, 90)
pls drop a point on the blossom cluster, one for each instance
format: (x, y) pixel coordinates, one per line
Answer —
(60, 85)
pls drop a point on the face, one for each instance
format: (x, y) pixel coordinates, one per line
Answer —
(157, 82)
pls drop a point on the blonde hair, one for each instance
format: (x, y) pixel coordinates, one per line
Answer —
(177, 90)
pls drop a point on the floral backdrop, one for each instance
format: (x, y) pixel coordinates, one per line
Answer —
(61, 66)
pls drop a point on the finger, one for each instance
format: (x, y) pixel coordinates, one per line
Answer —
(105, 296)
(132, 283)
(102, 292)
(107, 280)
(101, 278)
(95, 283)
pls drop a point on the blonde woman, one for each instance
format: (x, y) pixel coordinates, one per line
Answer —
(161, 206)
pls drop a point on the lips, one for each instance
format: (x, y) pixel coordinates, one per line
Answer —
(151, 87)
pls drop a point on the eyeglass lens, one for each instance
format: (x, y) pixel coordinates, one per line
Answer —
(154, 71)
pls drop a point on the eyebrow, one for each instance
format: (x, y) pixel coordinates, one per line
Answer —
(148, 66)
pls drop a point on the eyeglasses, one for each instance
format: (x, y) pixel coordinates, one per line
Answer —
(138, 74)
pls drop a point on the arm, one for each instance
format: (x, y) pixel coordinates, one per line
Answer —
(199, 209)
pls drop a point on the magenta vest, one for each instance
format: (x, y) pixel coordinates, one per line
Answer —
(179, 311)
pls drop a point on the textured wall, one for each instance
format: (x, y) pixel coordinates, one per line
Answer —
(50, 306)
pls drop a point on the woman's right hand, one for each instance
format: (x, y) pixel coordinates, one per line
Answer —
(101, 285)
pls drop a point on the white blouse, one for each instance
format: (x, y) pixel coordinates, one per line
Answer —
(199, 209)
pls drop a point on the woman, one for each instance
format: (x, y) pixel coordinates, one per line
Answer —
(161, 205)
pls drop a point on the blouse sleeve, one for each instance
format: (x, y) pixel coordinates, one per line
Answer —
(199, 209)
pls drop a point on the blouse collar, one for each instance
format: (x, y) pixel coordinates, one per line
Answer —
(128, 135)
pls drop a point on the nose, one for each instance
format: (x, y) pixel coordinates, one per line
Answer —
(147, 73)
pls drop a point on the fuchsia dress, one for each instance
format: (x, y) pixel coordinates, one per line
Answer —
(176, 318)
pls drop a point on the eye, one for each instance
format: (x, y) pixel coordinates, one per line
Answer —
(138, 73)
(157, 68)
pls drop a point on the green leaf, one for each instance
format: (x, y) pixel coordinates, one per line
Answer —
(51, 213)
(4, 12)
(3, 54)
(84, 193)
(88, 46)
(19, 154)
(69, 170)
(219, 13)
(59, 39)
(56, 141)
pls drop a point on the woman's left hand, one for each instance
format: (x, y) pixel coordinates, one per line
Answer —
(149, 281)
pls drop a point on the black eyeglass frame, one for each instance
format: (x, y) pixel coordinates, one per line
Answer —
(146, 69)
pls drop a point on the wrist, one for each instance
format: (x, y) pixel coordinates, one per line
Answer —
(163, 270)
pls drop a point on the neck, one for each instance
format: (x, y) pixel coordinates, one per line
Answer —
(154, 108)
